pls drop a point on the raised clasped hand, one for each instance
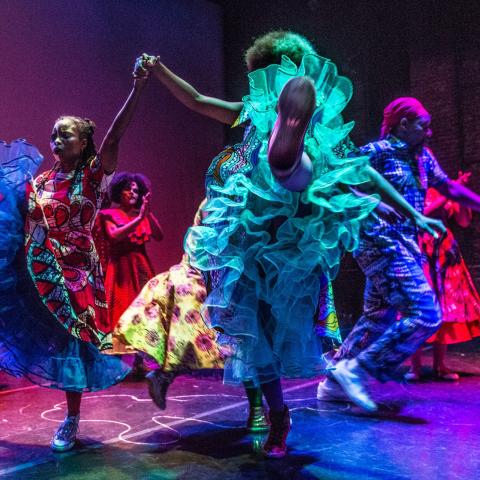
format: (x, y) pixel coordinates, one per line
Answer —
(139, 70)
(150, 61)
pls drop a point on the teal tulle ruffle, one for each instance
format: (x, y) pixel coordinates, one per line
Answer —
(270, 249)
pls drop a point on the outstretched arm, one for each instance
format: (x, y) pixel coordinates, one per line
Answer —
(221, 110)
(379, 185)
(459, 193)
(109, 150)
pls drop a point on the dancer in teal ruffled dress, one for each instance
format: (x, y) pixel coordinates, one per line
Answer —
(280, 213)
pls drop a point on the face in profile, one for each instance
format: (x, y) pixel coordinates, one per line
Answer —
(416, 132)
(65, 141)
(129, 195)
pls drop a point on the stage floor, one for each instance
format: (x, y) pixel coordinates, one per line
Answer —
(424, 431)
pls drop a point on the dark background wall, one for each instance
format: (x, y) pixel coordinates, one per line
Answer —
(76, 57)
(427, 49)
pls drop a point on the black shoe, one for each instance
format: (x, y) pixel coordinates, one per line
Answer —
(296, 105)
(158, 383)
(276, 444)
(139, 372)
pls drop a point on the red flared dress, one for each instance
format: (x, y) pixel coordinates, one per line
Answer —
(448, 274)
(128, 267)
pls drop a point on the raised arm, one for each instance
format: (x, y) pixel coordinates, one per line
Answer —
(221, 110)
(157, 231)
(110, 145)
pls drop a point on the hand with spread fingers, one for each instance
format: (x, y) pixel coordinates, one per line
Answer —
(463, 177)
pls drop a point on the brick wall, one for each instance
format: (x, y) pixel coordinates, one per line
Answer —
(427, 49)
(445, 75)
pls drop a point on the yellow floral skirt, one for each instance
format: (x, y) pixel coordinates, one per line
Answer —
(164, 321)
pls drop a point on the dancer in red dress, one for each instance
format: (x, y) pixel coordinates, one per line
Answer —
(127, 228)
(446, 271)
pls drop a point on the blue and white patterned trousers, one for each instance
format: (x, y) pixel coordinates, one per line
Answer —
(400, 308)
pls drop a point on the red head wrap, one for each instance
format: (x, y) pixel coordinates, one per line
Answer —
(408, 107)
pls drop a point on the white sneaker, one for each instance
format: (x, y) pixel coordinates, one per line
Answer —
(329, 390)
(352, 377)
(66, 434)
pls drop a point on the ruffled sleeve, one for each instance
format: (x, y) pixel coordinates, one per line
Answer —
(95, 177)
(19, 162)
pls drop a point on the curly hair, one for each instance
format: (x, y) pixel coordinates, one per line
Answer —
(123, 180)
(269, 49)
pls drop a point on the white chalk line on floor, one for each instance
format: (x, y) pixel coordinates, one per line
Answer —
(52, 457)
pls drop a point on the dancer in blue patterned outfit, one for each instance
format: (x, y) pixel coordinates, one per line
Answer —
(400, 308)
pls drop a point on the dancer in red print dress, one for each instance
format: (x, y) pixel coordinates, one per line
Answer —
(61, 254)
(62, 208)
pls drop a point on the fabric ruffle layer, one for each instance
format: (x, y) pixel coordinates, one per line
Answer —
(33, 343)
(272, 248)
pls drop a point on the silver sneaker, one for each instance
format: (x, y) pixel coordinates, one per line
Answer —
(66, 434)
(352, 378)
